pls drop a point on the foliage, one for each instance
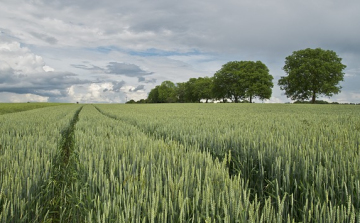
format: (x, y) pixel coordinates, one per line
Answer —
(193, 90)
(258, 80)
(181, 92)
(191, 94)
(311, 73)
(204, 86)
(153, 96)
(197, 89)
(164, 93)
(238, 80)
(228, 83)
(167, 92)
(316, 102)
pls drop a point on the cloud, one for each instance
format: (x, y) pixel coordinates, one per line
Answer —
(44, 84)
(130, 70)
(125, 69)
(117, 85)
(138, 88)
(20, 59)
(143, 79)
(147, 42)
(23, 72)
(92, 68)
(94, 93)
(230, 26)
(44, 37)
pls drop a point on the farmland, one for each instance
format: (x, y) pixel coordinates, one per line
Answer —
(181, 163)
(18, 107)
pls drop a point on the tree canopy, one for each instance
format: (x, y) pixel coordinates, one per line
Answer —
(238, 80)
(164, 93)
(311, 73)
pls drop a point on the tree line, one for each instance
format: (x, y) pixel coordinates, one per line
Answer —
(310, 73)
(238, 81)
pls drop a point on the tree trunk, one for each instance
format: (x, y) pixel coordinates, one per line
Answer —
(313, 97)
(236, 100)
(250, 99)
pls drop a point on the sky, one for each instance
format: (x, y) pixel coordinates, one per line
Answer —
(110, 51)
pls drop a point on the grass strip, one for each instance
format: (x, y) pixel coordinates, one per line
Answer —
(61, 196)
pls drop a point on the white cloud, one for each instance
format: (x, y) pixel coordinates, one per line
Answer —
(12, 97)
(25, 75)
(20, 59)
(48, 69)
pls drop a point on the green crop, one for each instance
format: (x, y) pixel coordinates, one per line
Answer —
(18, 107)
(28, 144)
(181, 163)
(308, 154)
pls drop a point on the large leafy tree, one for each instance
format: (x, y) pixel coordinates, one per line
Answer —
(227, 82)
(153, 96)
(164, 93)
(311, 73)
(198, 88)
(180, 92)
(258, 81)
(238, 80)
(204, 87)
(190, 90)
(195, 89)
(167, 92)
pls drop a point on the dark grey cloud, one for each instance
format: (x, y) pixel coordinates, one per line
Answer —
(141, 79)
(130, 70)
(92, 68)
(117, 85)
(6, 76)
(144, 80)
(44, 37)
(126, 69)
(229, 26)
(138, 88)
(46, 84)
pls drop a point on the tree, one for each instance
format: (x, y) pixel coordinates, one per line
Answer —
(258, 81)
(164, 93)
(167, 92)
(310, 73)
(227, 82)
(203, 88)
(238, 80)
(190, 91)
(153, 96)
(196, 89)
(180, 92)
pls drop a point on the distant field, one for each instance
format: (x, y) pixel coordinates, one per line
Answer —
(181, 163)
(17, 107)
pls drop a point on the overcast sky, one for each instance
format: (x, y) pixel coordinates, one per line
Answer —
(112, 50)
